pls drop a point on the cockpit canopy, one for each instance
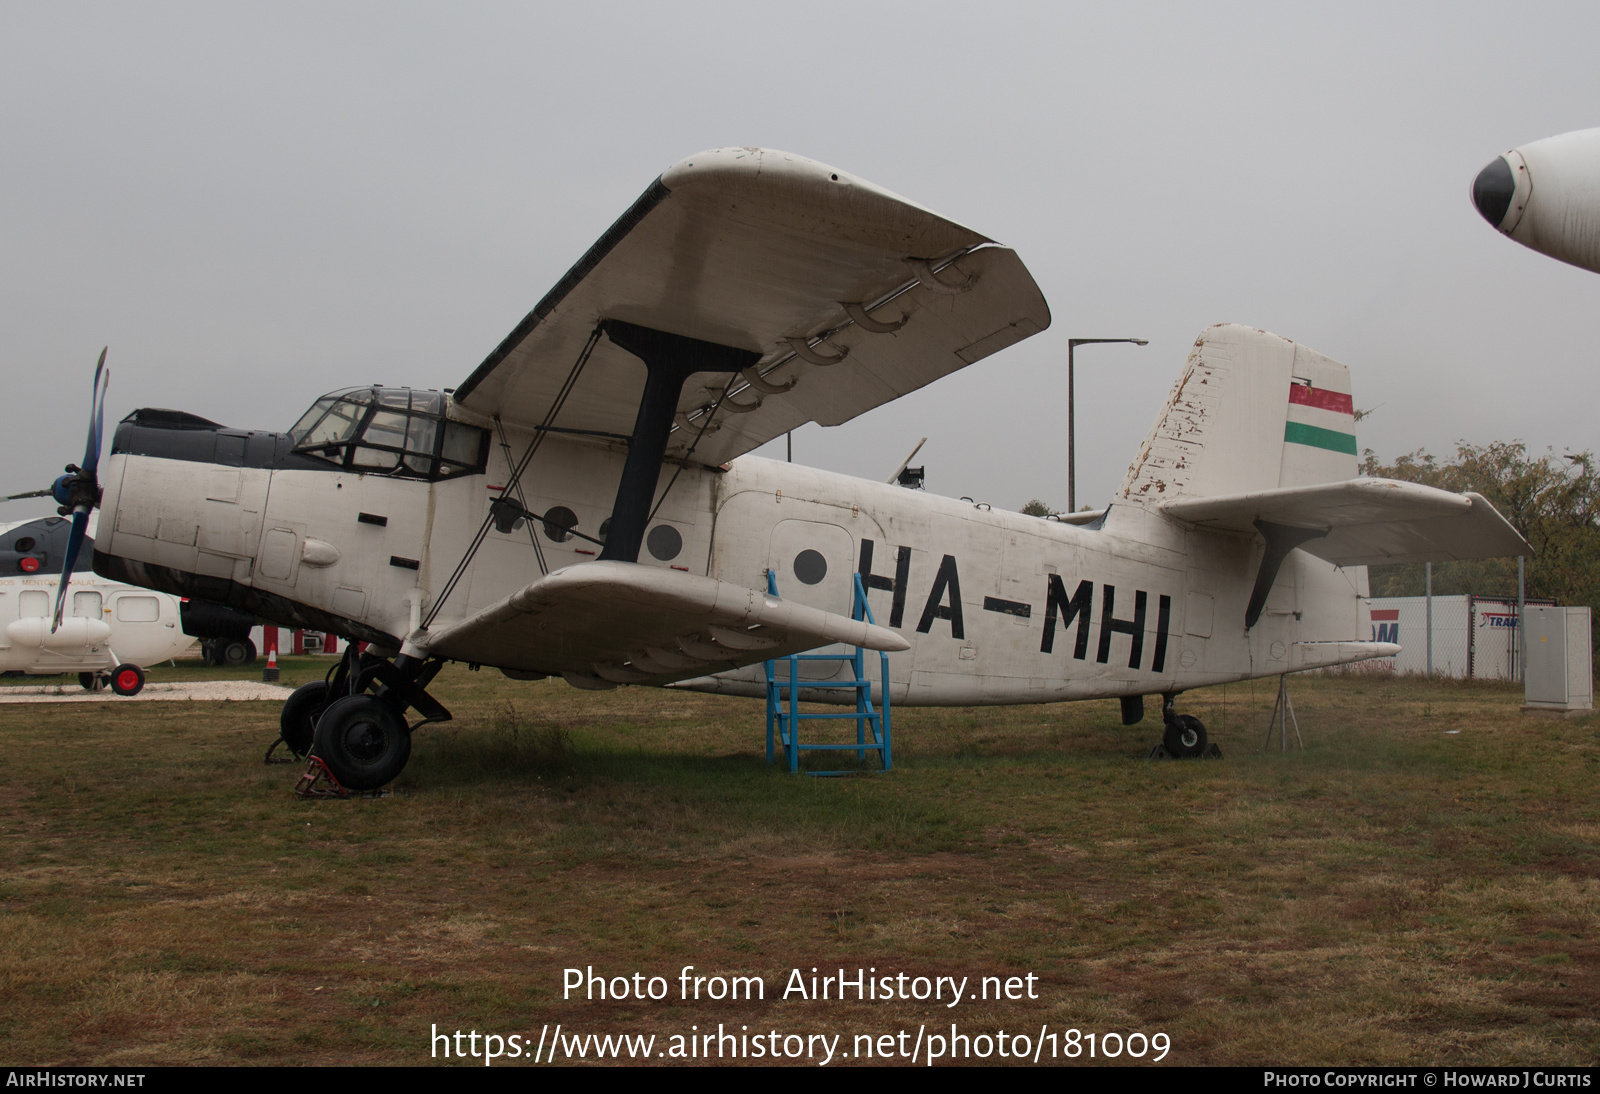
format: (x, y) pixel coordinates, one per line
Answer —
(390, 431)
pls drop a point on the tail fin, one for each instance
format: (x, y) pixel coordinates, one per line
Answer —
(1250, 412)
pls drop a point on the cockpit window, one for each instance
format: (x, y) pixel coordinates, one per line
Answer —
(390, 431)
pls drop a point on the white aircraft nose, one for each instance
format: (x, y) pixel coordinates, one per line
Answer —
(1546, 196)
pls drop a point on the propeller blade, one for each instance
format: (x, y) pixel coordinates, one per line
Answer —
(97, 415)
(29, 494)
(80, 488)
(80, 524)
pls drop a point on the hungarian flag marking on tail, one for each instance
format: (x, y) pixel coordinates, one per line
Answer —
(1320, 418)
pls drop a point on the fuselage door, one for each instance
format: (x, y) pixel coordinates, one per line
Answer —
(814, 564)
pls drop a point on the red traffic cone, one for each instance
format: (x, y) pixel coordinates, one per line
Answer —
(269, 675)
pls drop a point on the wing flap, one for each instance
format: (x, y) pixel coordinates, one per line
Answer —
(1368, 521)
(625, 623)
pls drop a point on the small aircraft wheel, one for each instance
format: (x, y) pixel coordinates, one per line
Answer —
(1185, 737)
(297, 725)
(249, 652)
(127, 679)
(363, 741)
(234, 654)
(89, 681)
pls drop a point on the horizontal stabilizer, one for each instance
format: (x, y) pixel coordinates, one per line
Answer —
(603, 623)
(1367, 521)
(1326, 654)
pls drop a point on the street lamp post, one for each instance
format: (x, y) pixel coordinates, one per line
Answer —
(1072, 435)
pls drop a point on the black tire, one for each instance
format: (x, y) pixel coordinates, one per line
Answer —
(1185, 737)
(363, 741)
(89, 681)
(297, 725)
(234, 654)
(127, 679)
(249, 652)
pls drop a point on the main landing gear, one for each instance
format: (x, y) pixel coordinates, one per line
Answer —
(362, 738)
(1183, 736)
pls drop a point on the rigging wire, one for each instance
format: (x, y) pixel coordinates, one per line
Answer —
(712, 413)
(533, 447)
(533, 536)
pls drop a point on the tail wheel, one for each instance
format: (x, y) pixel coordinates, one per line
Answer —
(297, 725)
(364, 742)
(127, 679)
(1185, 737)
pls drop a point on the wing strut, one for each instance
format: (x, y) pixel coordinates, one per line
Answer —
(1281, 539)
(671, 359)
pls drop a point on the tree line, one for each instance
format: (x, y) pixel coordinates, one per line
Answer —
(1553, 500)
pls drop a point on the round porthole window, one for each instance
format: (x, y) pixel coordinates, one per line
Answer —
(664, 542)
(558, 522)
(23, 545)
(605, 529)
(810, 567)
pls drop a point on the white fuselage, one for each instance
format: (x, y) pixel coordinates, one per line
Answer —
(998, 607)
(107, 624)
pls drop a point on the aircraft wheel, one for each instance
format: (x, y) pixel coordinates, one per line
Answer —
(249, 652)
(1185, 737)
(363, 741)
(234, 654)
(89, 681)
(297, 725)
(127, 679)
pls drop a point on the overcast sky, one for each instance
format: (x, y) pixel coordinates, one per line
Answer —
(256, 204)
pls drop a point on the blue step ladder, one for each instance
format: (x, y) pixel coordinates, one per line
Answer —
(783, 699)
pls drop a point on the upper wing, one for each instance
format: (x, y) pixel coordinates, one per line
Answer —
(1369, 521)
(628, 624)
(760, 250)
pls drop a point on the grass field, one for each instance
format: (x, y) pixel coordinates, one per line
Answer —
(1421, 884)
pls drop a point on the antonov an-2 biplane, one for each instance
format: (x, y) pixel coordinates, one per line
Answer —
(583, 505)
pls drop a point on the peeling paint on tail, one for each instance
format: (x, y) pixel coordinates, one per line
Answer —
(1251, 411)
